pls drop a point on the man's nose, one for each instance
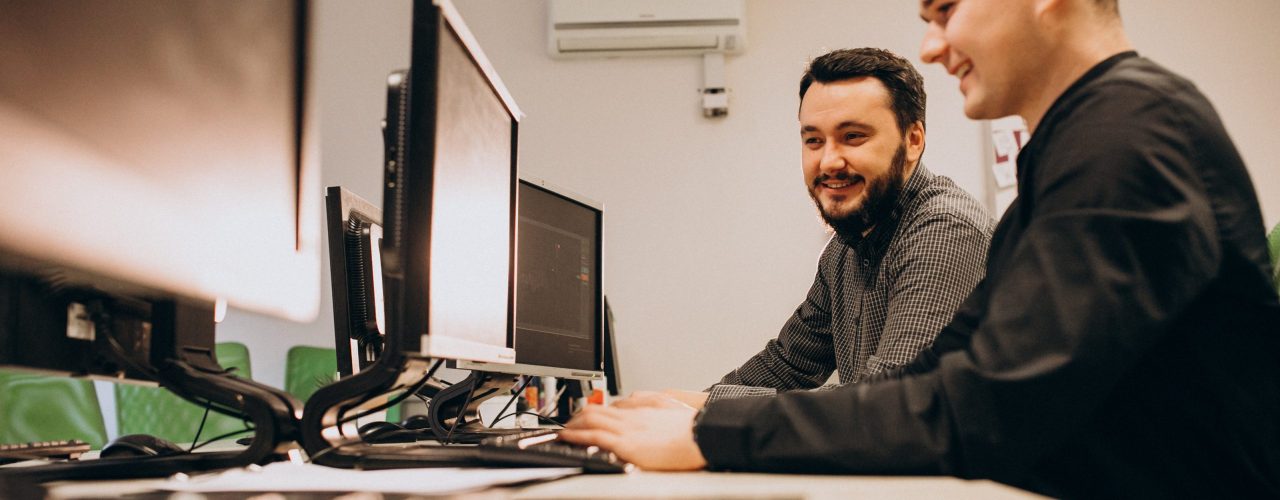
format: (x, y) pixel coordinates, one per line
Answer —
(832, 161)
(933, 48)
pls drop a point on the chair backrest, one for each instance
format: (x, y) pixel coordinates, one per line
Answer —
(45, 408)
(1273, 243)
(308, 368)
(160, 413)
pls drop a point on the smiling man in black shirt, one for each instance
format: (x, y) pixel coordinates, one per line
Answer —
(1126, 340)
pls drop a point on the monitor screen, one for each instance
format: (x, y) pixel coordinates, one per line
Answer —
(559, 254)
(558, 280)
(449, 200)
(163, 145)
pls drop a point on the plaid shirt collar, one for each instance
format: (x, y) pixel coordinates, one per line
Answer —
(874, 245)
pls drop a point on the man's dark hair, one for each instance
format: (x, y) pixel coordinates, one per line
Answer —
(906, 87)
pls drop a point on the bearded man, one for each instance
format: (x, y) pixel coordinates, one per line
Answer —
(908, 245)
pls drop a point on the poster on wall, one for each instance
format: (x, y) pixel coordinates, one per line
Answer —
(1008, 135)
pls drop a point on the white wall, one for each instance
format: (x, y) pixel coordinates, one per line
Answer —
(1229, 50)
(711, 238)
(356, 44)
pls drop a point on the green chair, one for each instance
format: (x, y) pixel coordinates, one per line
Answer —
(308, 368)
(160, 413)
(1273, 243)
(45, 408)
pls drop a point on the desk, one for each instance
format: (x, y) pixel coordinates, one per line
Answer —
(699, 485)
(722, 485)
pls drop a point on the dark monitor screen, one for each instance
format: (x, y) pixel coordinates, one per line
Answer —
(559, 258)
(557, 280)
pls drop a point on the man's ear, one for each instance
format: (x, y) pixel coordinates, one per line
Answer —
(914, 140)
(1042, 7)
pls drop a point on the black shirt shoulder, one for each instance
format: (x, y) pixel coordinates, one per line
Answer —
(1132, 136)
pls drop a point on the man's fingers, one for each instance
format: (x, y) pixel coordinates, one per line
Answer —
(597, 417)
(590, 437)
(645, 400)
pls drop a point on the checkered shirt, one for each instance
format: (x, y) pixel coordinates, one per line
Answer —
(877, 302)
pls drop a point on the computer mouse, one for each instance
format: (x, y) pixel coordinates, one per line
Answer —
(140, 445)
(416, 422)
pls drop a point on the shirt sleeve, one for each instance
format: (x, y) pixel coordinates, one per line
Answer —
(935, 263)
(802, 356)
(953, 337)
(1117, 243)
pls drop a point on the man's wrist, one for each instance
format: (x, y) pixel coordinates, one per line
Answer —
(697, 418)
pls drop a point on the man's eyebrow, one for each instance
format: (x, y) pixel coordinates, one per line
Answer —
(843, 125)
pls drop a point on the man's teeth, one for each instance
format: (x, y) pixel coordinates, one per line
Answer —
(838, 185)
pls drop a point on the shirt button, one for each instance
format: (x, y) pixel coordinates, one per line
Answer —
(866, 262)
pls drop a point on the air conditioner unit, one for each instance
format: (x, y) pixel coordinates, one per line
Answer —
(603, 28)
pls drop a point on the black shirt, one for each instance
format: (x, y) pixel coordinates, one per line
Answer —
(1124, 343)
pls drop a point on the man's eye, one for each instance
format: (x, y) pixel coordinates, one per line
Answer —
(812, 140)
(853, 136)
(944, 12)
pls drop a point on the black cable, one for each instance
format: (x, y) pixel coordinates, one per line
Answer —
(102, 323)
(326, 451)
(523, 384)
(200, 429)
(396, 400)
(219, 438)
(540, 416)
(393, 401)
(462, 411)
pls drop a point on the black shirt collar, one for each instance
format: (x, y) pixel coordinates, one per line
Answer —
(1058, 111)
(1058, 107)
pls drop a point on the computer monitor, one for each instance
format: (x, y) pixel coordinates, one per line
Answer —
(559, 300)
(449, 223)
(158, 162)
(354, 231)
(449, 200)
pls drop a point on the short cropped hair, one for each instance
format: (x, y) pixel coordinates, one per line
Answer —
(905, 85)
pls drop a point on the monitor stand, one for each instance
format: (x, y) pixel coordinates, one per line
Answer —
(454, 412)
(182, 361)
(329, 427)
(329, 432)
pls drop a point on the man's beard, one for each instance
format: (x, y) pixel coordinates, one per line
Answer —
(879, 198)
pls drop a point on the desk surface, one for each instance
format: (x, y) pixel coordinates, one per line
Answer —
(700, 485)
(765, 486)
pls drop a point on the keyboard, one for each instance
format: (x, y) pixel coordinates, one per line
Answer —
(68, 449)
(536, 448)
(543, 448)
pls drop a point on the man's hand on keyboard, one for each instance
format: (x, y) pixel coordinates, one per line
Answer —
(655, 436)
(642, 399)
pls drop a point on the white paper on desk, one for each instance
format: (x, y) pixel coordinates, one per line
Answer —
(289, 477)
